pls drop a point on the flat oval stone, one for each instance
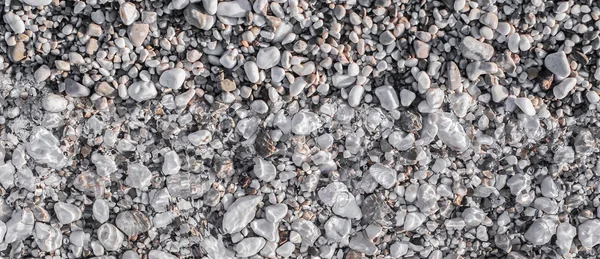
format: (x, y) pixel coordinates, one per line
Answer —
(100, 210)
(133, 222)
(558, 63)
(75, 89)
(110, 237)
(138, 176)
(66, 213)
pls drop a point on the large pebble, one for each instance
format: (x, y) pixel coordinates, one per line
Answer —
(66, 213)
(195, 16)
(471, 48)
(142, 91)
(558, 64)
(137, 33)
(173, 78)
(133, 222)
(305, 122)
(37, 2)
(128, 13)
(14, 22)
(268, 57)
(240, 213)
(138, 176)
(48, 238)
(110, 237)
(54, 103)
(384, 175)
(75, 89)
(264, 170)
(100, 210)
(236, 8)
(525, 105)
(388, 98)
(564, 88)
(43, 147)
(249, 246)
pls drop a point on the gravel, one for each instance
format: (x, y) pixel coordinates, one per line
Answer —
(299, 129)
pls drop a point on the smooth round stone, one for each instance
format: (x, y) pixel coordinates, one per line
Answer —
(541, 231)
(558, 64)
(513, 42)
(384, 175)
(132, 222)
(473, 216)
(66, 213)
(138, 176)
(355, 95)
(286, 249)
(407, 97)
(489, 19)
(564, 88)
(275, 213)
(42, 73)
(195, 16)
(264, 170)
(229, 58)
(110, 237)
(525, 105)
(142, 91)
(210, 6)
(337, 229)
(240, 213)
(201, 137)
(100, 210)
(499, 93)
(266, 229)
(304, 123)
(179, 4)
(297, 86)
(421, 49)
(249, 246)
(387, 38)
(252, 72)
(75, 89)
(14, 22)
(592, 96)
(130, 254)
(173, 78)
(435, 97)
(47, 238)
(37, 2)
(413, 220)
(54, 103)
(78, 238)
(236, 8)
(268, 57)
(259, 106)
(128, 13)
(388, 98)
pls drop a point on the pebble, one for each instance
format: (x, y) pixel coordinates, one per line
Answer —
(37, 2)
(137, 33)
(388, 98)
(42, 73)
(100, 210)
(525, 105)
(138, 176)
(422, 49)
(171, 164)
(54, 103)
(473, 49)
(337, 229)
(66, 213)
(75, 89)
(268, 57)
(142, 91)
(541, 231)
(264, 170)
(240, 213)
(236, 8)
(558, 64)
(304, 123)
(47, 238)
(249, 246)
(110, 237)
(355, 96)
(173, 78)
(384, 175)
(128, 13)
(251, 69)
(15, 22)
(157, 254)
(210, 6)
(228, 85)
(564, 88)
(195, 16)
(133, 223)
(17, 53)
(387, 38)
